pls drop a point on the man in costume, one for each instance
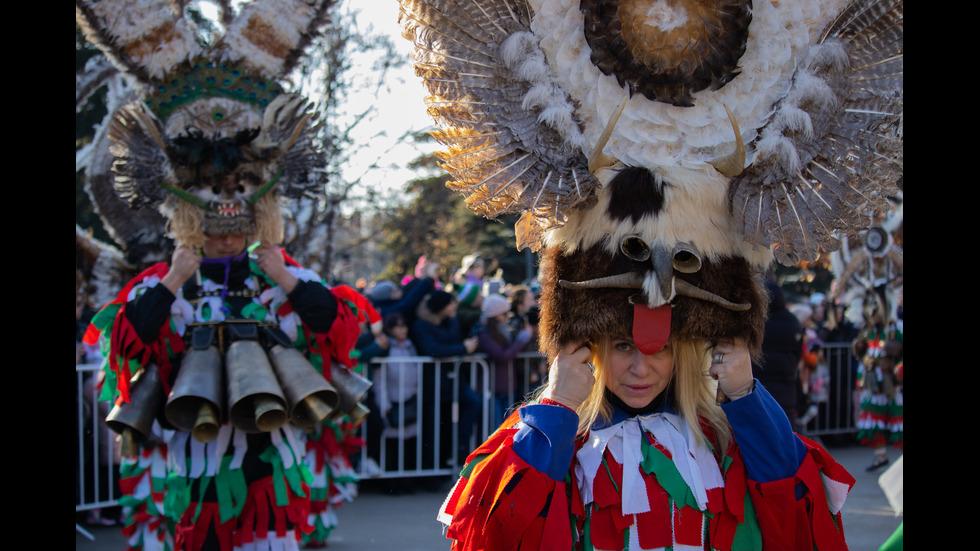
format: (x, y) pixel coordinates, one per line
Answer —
(215, 487)
(229, 368)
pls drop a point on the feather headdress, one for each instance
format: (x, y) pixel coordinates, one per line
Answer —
(662, 153)
(214, 138)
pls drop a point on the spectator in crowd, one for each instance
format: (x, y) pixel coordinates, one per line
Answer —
(782, 349)
(501, 347)
(468, 286)
(843, 369)
(524, 307)
(372, 343)
(436, 332)
(399, 384)
(522, 300)
(106, 446)
(389, 297)
(813, 368)
(397, 401)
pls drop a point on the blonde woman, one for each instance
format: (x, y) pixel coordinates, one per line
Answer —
(626, 449)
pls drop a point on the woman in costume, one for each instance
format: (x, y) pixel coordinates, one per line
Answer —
(626, 448)
(660, 170)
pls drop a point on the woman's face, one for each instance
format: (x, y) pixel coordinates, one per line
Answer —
(637, 378)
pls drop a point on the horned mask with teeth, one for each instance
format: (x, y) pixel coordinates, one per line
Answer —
(214, 163)
(212, 138)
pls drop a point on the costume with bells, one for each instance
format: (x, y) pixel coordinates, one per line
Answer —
(608, 127)
(881, 348)
(231, 394)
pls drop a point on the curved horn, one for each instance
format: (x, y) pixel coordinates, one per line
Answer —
(598, 159)
(628, 280)
(634, 280)
(731, 165)
(684, 288)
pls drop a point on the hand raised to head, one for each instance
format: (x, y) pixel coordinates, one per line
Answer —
(731, 366)
(269, 259)
(184, 262)
(571, 376)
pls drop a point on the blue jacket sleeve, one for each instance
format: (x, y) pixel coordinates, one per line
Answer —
(411, 301)
(430, 344)
(769, 447)
(546, 441)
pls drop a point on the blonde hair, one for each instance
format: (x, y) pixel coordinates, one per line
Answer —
(694, 391)
(184, 222)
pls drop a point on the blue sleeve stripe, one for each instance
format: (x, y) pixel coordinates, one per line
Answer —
(546, 441)
(769, 447)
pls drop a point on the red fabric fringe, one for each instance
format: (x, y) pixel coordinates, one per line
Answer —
(774, 500)
(258, 514)
(504, 504)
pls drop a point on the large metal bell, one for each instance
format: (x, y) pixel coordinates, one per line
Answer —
(256, 403)
(309, 396)
(352, 388)
(198, 394)
(133, 420)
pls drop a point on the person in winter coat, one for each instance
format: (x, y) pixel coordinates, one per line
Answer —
(782, 349)
(436, 332)
(501, 348)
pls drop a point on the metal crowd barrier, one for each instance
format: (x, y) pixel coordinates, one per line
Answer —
(837, 411)
(431, 447)
(96, 456)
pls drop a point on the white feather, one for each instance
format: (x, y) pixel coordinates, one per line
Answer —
(793, 119)
(810, 88)
(779, 33)
(780, 148)
(263, 29)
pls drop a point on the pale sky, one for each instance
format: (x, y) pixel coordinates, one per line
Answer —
(399, 109)
(399, 105)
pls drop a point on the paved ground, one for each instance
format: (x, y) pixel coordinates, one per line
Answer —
(377, 521)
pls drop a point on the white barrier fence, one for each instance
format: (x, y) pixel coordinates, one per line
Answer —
(456, 409)
(438, 440)
(97, 452)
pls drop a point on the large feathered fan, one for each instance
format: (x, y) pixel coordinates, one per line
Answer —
(214, 127)
(669, 149)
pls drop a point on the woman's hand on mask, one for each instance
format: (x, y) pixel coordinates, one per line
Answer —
(570, 378)
(731, 366)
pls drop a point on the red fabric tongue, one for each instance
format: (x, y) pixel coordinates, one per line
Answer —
(651, 327)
